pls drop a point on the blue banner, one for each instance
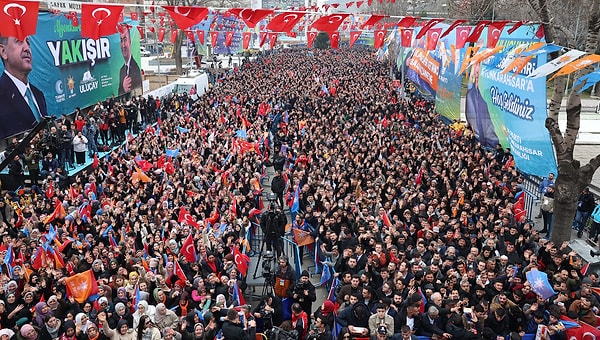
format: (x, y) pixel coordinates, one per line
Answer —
(447, 98)
(510, 109)
(423, 67)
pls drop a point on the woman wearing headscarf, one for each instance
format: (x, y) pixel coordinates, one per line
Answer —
(29, 332)
(70, 331)
(41, 312)
(146, 330)
(121, 331)
(52, 328)
(121, 313)
(7, 334)
(165, 317)
(93, 333)
(143, 309)
(198, 332)
(121, 296)
(13, 308)
(325, 312)
(82, 321)
(57, 307)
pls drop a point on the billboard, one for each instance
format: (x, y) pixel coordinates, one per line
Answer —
(447, 98)
(510, 109)
(423, 67)
(72, 71)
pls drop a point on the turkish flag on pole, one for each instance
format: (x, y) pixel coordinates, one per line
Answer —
(178, 271)
(184, 216)
(310, 37)
(251, 16)
(18, 18)
(241, 261)
(427, 26)
(354, 35)
(246, 39)
(379, 36)
(433, 35)
(228, 38)
(186, 16)
(334, 39)
(285, 21)
(329, 23)
(272, 39)
(188, 250)
(407, 37)
(214, 37)
(99, 19)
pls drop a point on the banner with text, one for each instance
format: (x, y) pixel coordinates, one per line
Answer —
(447, 98)
(73, 71)
(510, 108)
(422, 67)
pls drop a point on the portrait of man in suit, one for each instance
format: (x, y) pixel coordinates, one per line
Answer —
(22, 104)
(130, 75)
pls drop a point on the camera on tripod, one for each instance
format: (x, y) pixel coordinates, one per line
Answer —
(267, 265)
(299, 289)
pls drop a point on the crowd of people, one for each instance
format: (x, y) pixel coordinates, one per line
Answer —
(414, 218)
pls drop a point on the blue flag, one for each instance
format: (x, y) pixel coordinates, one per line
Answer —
(241, 133)
(539, 283)
(172, 152)
(325, 275)
(182, 129)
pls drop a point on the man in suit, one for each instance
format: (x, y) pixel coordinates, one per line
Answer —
(23, 105)
(130, 76)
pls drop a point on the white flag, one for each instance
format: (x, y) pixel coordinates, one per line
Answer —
(555, 64)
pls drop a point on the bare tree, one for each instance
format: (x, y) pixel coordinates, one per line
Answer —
(572, 177)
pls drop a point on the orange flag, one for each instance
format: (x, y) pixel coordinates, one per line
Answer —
(81, 286)
(576, 65)
(142, 176)
(302, 237)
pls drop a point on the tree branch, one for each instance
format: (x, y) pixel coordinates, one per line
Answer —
(556, 136)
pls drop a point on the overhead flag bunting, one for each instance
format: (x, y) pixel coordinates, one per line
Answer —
(406, 22)
(214, 37)
(99, 19)
(373, 19)
(251, 16)
(354, 35)
(228, 38)
(515, 26)
(477, 31)
(329, 23)
(19, 18)
(378, 37)
(576, 65)
(452, 27)
(187, 16)
(285, 21)
(590, 79)
(462, 34)
(433, 35)
(494, 31)
(200, 34)
(246, 39)
(310, 38)
(428, 26)
(272, 39)
(555, 64)
(406, 37)
(334, 39)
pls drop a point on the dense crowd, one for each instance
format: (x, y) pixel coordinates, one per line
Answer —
(451, 262)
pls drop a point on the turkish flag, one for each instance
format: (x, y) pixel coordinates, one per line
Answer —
(144, 164)
(188, 250)
(373, 19)
(251, 16)
(310, 37)
(228, 38)
(173, 35)
(246, 39)
(477, 31)
(184, 216)
(406, 22)
(433, 35)
(186, 16)
(141, 31)
(462, 33)
(19, 18)
(378, 37)
(50, 190)
(354, 35)
(200, 35)
(516, 25)
(95, 162)
(241, 261)
(285, 21)
(169, 168)
(134, 16)
(214, 37)
(263, 38)
(99, 19)
(407, 37)
(161, 34)
(329, 23)
(494, 31)
(272, 39)
(178, 271)
(334, 39)
(427, 26)
(452, 26)
(190, 35)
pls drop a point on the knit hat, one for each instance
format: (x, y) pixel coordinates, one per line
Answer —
(305, 273)
(69, 324)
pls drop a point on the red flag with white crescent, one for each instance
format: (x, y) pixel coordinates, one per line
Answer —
(433, 35)
(190, 35)
(427, 27)
(251, 16)
(241, 261)
(214, 37)
(246, 39)
(184, 216)
(98, 19)
(462, 33)
(200, 34)
(373, 19)
(453, 26)
(263, 38)
(228, 38)
(173, 35)
(186, 16)
(161, 34)
(354, 35)
(329, 23)
(407, 37)
(494, 32)
(477, 31)
(141, 31)
(378, 37)
(188, 250)
(285, 21)
(310, 37)
(272, 39)
(406, 22)
(334, 39)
